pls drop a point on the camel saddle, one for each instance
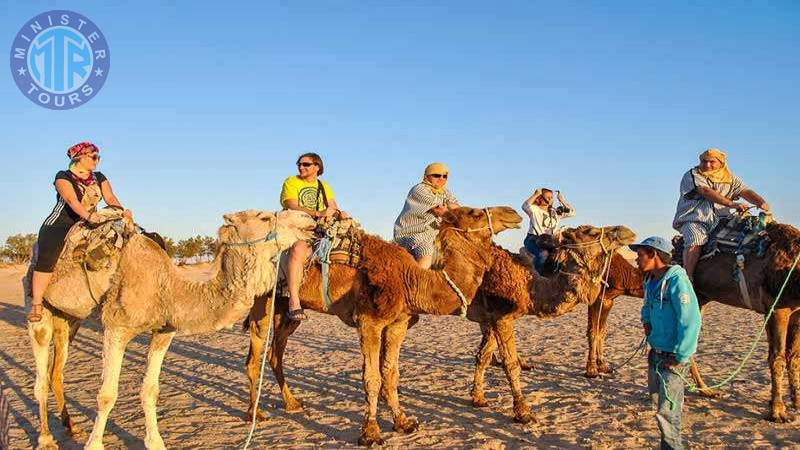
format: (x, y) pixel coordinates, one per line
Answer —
(95, 246)
(337, 242)
(739, 234)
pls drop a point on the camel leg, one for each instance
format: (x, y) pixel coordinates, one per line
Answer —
(777, 330)
(159, 344)
(702, 387)
(283, 329)
(63, 333)
(523, 363)
(114, 343)
(394, 335)
(602, 362)
(41, 333)
(370, 336)
(592, 335)
(482, 360)
(504, 331)
(793, 359)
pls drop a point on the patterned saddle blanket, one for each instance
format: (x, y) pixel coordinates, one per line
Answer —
(740, 234)
(95, 246)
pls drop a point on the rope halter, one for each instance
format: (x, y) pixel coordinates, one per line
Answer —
(489, 227)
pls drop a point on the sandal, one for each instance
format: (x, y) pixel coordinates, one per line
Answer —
(35, 314)
(297, 315)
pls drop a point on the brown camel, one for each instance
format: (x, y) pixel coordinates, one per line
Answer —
(623, 279)
(141, 264)
(510, 290)
(714, 282)
(381, 296)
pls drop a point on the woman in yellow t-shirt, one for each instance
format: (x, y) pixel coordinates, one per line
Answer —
(305, 192)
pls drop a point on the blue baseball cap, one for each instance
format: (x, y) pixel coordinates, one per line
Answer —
(654, 242)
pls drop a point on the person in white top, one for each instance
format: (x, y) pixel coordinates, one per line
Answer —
(544, 220)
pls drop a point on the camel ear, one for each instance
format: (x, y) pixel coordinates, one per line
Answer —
(265, 216)
(228, 218)
(448, 218)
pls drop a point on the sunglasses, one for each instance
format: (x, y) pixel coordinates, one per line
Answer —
(439, 175)
(305, 164)
(94, 156)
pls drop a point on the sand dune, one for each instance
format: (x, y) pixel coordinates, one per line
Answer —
(204, 391)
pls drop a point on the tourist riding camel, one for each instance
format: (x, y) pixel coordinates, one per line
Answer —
(545, 217)
(708, 192)
(416, 227)
(79, 189)
(306, 192)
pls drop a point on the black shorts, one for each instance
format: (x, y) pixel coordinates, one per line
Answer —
(50, 244)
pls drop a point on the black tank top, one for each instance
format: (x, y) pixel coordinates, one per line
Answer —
(62, 214)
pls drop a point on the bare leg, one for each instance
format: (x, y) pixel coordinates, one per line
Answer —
(39, 283)
(63, 333)
(41, 333)
(114, 343)
(504, 331)
(370, 336)
(482, 359)
(394, 335)
(777, 330)
(691, 255)
(602, 363)
(159, 344)
(297, 259)
(425, 262)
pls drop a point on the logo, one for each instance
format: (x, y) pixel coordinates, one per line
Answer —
(60, 60)
(684, 298)
(308, 198)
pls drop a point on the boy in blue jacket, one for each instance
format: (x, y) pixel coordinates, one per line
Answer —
(671, 319)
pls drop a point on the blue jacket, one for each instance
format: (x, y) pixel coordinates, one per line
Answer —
(671, 309)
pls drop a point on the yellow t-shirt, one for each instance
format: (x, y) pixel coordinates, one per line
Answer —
(307, 194)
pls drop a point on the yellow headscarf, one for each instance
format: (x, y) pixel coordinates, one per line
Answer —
(432, 168)
(721, 175)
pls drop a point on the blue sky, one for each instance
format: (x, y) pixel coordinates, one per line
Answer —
(206, 108)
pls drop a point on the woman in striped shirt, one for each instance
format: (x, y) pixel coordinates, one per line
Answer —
(415, 227)
(78, 191)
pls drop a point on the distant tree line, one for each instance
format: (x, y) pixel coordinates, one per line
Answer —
(18, 249)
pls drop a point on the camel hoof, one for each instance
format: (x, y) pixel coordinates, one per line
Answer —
(480, 402)
(781, 417)
(94, 445)
(404, 425)
(73, 430)
(525, 366)
(295, 406)
(605, 368)
(155, 444)
(46, 442)
(260, 416)
(370, 435)
(592, 374)
(708, 393)
(524, 417)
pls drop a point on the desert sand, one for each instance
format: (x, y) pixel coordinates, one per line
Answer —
(204, 389)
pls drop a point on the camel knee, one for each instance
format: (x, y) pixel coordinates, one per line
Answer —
(149, 396)
(105, 401)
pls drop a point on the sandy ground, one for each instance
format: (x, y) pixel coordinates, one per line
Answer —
(203, 387)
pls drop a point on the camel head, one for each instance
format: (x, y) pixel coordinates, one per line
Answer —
(253, 225)
(475, 222)
(582, 256)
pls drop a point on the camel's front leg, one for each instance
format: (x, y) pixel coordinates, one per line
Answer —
(592, 334)
(114, 343)
(482, 360)
(504, 331)
(41, 334)
(393, 338)
(602, 363)
(370, 333)
(777, 331)
(63, 333)
(159, 344)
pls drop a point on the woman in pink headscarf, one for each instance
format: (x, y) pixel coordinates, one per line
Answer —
(78, 191)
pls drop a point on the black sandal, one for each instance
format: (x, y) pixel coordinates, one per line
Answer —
(35, 314)
(297, 315)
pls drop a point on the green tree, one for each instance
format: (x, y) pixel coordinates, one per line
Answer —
(18, 248)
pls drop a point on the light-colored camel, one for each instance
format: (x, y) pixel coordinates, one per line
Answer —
(381, 297)
(144, 287)
(713, 281)
(510, 290)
